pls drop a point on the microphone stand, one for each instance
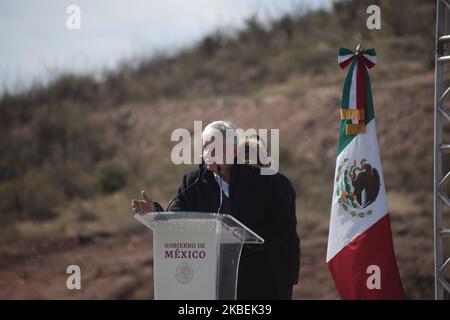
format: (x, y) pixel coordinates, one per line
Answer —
(220, 184)
(201, 173)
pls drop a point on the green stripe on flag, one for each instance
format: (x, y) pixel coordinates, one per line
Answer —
(370, 112)
(347, 86)
(344, 51)
(370, 52)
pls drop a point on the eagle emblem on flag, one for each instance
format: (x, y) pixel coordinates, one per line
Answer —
(357, 187)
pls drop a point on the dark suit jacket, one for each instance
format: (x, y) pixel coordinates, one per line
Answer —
(264, 203)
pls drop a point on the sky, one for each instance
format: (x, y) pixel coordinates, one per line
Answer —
(36, 44)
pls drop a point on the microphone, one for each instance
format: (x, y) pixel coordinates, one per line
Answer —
(221, 192)
(201, 173)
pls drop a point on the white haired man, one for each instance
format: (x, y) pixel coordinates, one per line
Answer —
(265, 203)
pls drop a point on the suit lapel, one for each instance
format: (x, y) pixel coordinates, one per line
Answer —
(213, 190)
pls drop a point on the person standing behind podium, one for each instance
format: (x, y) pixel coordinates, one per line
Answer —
(264, 203)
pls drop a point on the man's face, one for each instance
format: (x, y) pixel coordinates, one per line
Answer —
(214, 155)
(210, 155)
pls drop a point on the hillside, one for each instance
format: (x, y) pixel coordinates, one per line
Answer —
(74, 153)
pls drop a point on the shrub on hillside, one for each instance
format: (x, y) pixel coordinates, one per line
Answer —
(33, 196)
(111, 177)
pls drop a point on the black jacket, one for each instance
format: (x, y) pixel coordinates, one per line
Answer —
(266, 204)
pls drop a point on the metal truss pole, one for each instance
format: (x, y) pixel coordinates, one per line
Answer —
(440, 112)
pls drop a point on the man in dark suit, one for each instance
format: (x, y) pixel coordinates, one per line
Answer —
(264, 203)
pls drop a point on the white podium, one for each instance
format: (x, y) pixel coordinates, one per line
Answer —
(196, 254)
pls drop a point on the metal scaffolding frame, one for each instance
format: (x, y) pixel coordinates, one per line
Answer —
(440, 112)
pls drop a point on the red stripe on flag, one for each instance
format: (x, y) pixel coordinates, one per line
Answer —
(373, 247)
(345, 63)
(361, 84)
(369, 64)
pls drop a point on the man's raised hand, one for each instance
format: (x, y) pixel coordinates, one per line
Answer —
(143, 206)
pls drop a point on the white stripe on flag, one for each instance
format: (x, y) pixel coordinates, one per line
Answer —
(372, 59)
(352, 97)
(345, 57)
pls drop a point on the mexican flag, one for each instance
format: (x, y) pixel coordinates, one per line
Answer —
(360, 253)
